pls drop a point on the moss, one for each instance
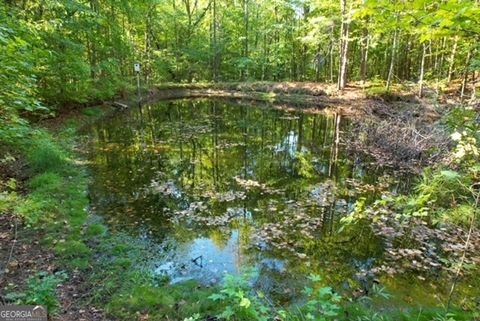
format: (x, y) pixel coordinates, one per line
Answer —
(36, 208)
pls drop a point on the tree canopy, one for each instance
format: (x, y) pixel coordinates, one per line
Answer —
(74, 51)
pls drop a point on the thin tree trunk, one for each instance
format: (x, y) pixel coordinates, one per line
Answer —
(93, 50)
(364, 50)
(177, 41)
(306, 11)
(392, 60)
(474, 90)
(465, 74)
(331, 55)
(342, 74)
(364, 56)
(452, 60)
(244, 72)
(422, 70)
(215, 43)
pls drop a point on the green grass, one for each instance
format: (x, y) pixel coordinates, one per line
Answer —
(44, 154)
(168, 302)
(96, 230)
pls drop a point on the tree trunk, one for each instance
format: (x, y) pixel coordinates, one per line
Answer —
(422, 70)
(177, 41)
(342, 74)
(392, 60)
(331, 55)
(474, 89)
(364, 55)
(465, 74)
(452, 60)
(216, 65)
(244, 72)
(306, 11)
(364, 50)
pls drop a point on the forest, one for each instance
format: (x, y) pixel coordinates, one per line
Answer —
(273, 160)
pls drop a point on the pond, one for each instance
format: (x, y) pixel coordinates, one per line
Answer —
(214, 186)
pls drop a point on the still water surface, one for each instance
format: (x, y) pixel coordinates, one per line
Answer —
(217, 185)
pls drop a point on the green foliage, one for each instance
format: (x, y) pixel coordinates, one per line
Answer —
(303, 165)
(177, 301)
(439, 189)
(322, 304)
(92, 111)
(17, 79)
(74, 52)
(380, 92)
(43, 154)
(460, 118)
(443, 193)
(48, 183)
(237, 301)
(40, 290)
(72, 248)
(461, 214)
(36, 208)
(96, 230)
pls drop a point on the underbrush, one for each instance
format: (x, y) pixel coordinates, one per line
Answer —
(435, 229)
(400, 144)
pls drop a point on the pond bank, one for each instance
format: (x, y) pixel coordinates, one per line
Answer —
(355, 100)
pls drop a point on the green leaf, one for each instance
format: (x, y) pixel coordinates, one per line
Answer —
(245, 302)
(450, 175)
(216, 297)
(315, 277)
(325, 291)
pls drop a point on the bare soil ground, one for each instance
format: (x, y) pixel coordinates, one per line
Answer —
(23, 256)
